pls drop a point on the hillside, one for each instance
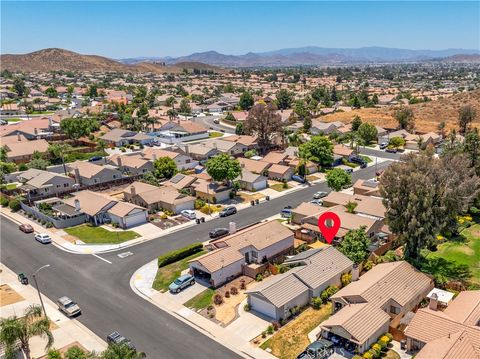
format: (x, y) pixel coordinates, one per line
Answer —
(59, 59)
(427, 115)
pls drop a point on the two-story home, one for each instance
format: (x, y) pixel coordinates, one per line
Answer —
(89, 174)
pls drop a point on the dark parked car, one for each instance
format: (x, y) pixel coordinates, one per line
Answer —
(391, 150)
(228, 211)
(218, 232)
(26, 228)
(360, 161)
(319, 349)
(94, 158)
(116, 338)
(298, 179)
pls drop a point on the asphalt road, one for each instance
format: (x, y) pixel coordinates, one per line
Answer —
(380, 153)
(207, 122)
(103, 289)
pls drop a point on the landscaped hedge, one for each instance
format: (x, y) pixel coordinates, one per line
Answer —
(179, 254)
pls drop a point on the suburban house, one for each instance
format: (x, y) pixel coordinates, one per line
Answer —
(250, 142)
(280, 172)
(365, 205)
(211, 192)
(367, 187)
(39, 183)
(181, 182)
(182, 161)
(21, 150)
(198, 151)
(156, 198)
(453, 332)
(314, 270)
(244, 252)
(325, 128)
(11, 109)
(275, 157)
(252, 181)
(259, 167)
(381, 298)
(179, 131)
(100, 209)
(120, 137)
(32, 129)
(131, 164)
(89, 174)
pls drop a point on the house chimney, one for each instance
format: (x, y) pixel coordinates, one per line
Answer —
(433, 305)
(19, 138)
(77, 175)
(187, 150)
(77, 205)
(132, 190)
(232, 227)
(35, 131)
(119, 162)
(355, 272)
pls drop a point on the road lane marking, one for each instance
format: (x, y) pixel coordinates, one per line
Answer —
(103, 259)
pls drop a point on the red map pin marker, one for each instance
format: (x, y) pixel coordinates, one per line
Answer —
(329, 223)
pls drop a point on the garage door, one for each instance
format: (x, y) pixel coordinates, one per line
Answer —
(135, 219)
(263, 307)
(260, 185)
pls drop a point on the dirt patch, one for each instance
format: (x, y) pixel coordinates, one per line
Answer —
(227, 311)
(8, 295)
(247, 197)
(168, 222)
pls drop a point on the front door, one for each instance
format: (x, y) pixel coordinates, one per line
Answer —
(247, 257)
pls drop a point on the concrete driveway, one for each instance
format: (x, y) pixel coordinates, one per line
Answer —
(186, 294)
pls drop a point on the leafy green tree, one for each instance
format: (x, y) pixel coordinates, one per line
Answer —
(164, 167)
(185, 108)
(405, 118)
(17, 332)
(367, 132)
(397, 142)
(121, 351)
(466, 115)
(58, 151)
(75, 353)
(39, 163)
(337, 179)
(472, 148)
(423, 196)
(350, 206)
(284, 99)
(223, 168)
(230, 117)
(356, 122)
(54, 354)
(307, 123)
(51, 92)
(75, 128)
(265, 123)
(239, 129)
(19, 87)
(319, 149)
(92, 91)
(355, 245)
(246, 101)
(3, 154)
(101, 146)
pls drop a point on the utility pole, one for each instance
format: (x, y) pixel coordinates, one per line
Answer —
(38, 290)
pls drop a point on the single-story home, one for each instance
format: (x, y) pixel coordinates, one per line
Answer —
(259, 167)
(120, 137)
(314, 271)
(381, 297)
(280, 172)
(252, 181)
(234, 254)
(132, 165)
(211, 192)
(367, 187)
(182, 161)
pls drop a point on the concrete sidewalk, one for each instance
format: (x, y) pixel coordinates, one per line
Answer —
(236, 336)
(65, 331)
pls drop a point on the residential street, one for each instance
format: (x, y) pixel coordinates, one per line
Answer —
(101, 284)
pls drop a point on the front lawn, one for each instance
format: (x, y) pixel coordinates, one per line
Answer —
(460, 253)
(167, 274)
(82, 156)
(14, 119)
(214, 134)
(9, 186)
(98, 235)
(292, 339)
(279, 187)
(201, 301)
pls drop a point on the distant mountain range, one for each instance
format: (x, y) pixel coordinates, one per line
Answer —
(58, 59)
(312, 55)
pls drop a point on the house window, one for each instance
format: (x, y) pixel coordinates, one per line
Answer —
(58, 185)
(66, 185)
(254, 255)
(394, 310)
(371, 234)
(94, 180)
(114, 176)
(187, 161)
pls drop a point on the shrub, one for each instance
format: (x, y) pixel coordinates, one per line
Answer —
(178, 254)
(4, 201)
(346, 279)
(199, 203)
(368, 265)
(210, 307)
(356, 356)
(123, 149)
(246, 307)
(264, 334)
(377, 347)
(234, 290)
(14, 205)
(316, 302)
(285, 185)
(389, 336)
(243, 286)
(382, 344)
(227, 294)
(270, 329)
(217, 299)
(327, 293)
(259, 277)
(275, 325)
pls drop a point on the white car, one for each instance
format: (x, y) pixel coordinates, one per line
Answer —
(188, 213)
(43, 238)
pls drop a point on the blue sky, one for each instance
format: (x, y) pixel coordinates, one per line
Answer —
(128, 29)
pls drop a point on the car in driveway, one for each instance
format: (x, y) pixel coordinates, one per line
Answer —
(218, 232)
(68, 306)
(286, 212)
(117, 338)
(299, 179)
(317, 202)
(43, 238)
(319, 349)
(383, 145)
(25, 228)
(188, 213)
(181, 283)
(320, 194)
(227, 211)
(360, 161)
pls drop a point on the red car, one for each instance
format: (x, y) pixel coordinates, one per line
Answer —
(26, 228)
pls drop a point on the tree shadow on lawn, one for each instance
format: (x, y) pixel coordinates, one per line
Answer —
(443, 268)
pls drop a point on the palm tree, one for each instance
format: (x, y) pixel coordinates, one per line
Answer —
(15, 333)
(101, 146)
(59, 150)
(350, 206)
(121, 351)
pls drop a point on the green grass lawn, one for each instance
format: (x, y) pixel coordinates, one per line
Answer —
(14, 120)
(80, 156)
(99, 235)
(366, 158)
(214, 134)
(279, 187)
(9, 186)
(201, 300)
(41, 112)
(168, 273)
(463, 252)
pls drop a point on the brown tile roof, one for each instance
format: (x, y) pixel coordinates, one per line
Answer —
(275, 157)
(122, 209)
(26, 148)
(278, 169)
(465, 308)
(149, 153)
(342, 150)
(253, 166)
(90, 202)
(365, 204)
(454, 346)
(165, 194)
